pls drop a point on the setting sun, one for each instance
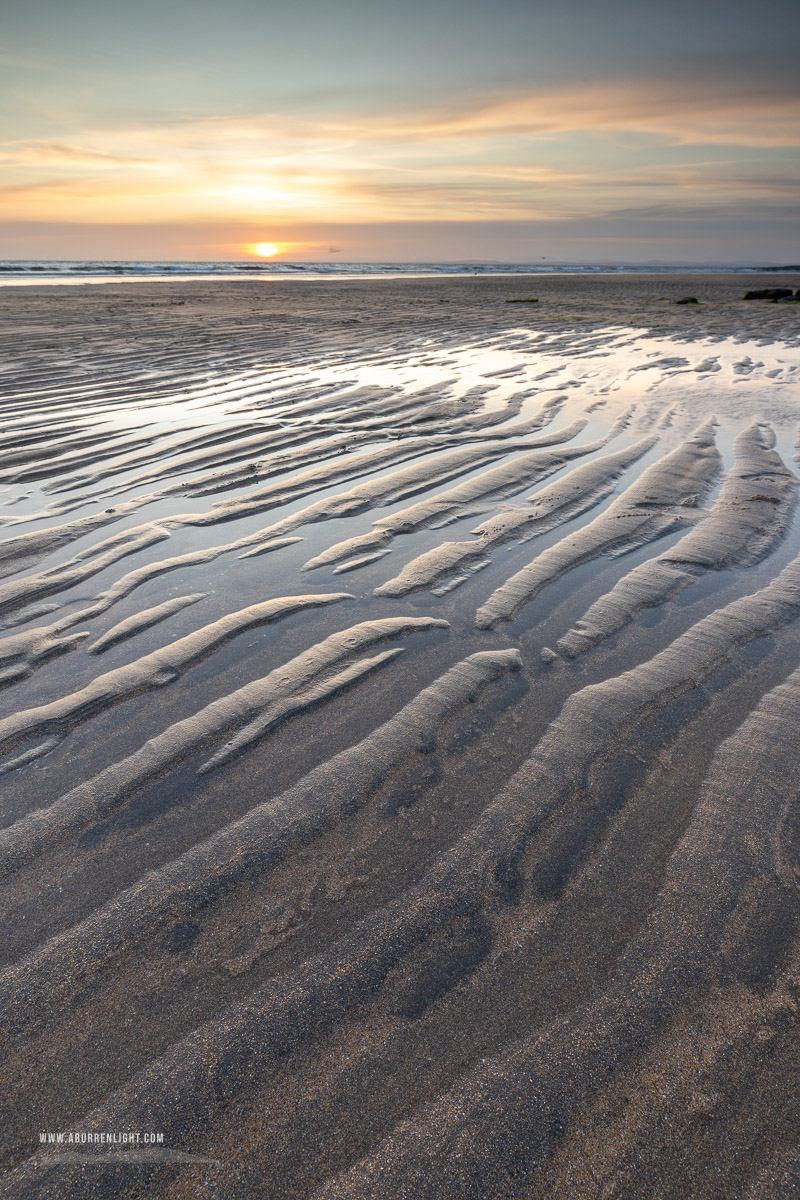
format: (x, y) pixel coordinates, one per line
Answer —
(266, 249)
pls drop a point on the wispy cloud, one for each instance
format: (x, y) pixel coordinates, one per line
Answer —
(543, 154)
(750, 113)
(61, 152)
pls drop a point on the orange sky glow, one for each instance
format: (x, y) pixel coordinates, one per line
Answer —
(514, 147)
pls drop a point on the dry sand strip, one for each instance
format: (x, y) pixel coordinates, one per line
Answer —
(64, 463)
(38, 444)
(118, 455)
(263, 699)
(665, 495)
(22, 653)
(24, 549)
(750, 517)
(395, 485)
(145, 619)
(225, 449)
(275, 494)
(468, 429)
(181, 1090)
(386, 489)
(253, 472)
(432, 470)
(218, 476)
(19, 592)
(42, 451)
(302, 702)
(727, 908)
(243, 849)
(308, 451)
(248, 447)
(17, 595)
(581, 489)
(152, 671)
(463, 499)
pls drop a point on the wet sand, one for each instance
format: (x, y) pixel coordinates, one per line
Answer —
(399, 738)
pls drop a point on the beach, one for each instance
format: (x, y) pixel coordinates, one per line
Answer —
(399, 738)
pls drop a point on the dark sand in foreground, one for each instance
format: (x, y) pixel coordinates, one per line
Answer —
(400, 739)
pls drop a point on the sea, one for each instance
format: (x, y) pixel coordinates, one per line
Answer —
(52, 271)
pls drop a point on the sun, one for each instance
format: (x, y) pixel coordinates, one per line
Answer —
(267, 249)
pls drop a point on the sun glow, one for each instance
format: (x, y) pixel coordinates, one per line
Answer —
(266, 249)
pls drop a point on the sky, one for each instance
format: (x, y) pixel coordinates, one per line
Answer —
(427, 130)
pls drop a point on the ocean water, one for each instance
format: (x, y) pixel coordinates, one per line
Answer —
(52, 271)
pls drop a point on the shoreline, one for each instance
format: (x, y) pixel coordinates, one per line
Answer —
(42, 275)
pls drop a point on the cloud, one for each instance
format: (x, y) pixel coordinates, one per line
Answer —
(58, 151)
(699, 111)
(38, 153)
(702, 140)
